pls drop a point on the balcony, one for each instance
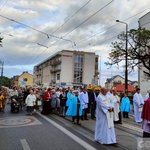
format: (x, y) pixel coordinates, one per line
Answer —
(55, 70)
(55, 62)
(38, 73)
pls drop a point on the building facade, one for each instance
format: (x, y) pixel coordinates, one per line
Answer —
(67, 68)
(14, 81)
(114, 81)
(23, 80)
(118, 80)
(144, 81)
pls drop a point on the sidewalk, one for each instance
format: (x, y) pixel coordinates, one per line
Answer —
(126, 133)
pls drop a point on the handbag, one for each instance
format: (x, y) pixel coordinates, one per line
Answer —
(39, 103)
(140, 109)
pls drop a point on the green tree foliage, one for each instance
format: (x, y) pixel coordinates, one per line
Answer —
(1, 41)
(6, 81)
(138, 52)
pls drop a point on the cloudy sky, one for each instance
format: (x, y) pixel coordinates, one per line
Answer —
(33, 30)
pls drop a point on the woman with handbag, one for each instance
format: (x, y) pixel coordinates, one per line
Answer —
(63, 99)
(38, 102)
(47, 102)
(30, 102)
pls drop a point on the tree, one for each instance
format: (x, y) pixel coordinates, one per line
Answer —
(6, 81)
(138, 52)
(1, 41)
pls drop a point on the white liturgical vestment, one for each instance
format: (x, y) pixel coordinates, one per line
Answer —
(104, 129)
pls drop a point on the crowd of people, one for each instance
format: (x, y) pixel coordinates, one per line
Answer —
(106, 107)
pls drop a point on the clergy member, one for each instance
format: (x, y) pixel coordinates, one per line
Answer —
(104, 129)
(116, 100)
(138, 102)
(146, 118)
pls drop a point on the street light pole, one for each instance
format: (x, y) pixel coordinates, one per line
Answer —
(126, 56)
(100, 71)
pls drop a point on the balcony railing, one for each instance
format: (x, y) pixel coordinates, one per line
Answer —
(54, 70)
(55, 62)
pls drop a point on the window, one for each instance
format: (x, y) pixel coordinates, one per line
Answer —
(78, 67)
(25, 79)
(58, 76)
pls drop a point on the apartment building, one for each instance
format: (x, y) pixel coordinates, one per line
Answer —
(67, 68)
(144, 81)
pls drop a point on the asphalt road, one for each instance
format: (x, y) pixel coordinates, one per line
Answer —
(19, 131)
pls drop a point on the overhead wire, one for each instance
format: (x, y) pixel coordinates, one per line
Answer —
(3, 5)
(60, 27)
(79, 25)
(60, 38)
(71, 16)
(83, 21)
(32, 28)
(6, 34)
(110, 27)
(89, 18)
(53, 35)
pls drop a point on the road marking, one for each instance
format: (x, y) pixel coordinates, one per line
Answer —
(71, 135)
(25, 144)
(18, 121)
(132, 127)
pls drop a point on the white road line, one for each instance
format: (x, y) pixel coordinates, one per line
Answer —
(25, 144)
(71, 135)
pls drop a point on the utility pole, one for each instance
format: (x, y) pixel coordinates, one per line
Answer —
(126, 56)
(2, 65)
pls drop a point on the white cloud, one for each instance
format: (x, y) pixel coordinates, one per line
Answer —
(49, 15)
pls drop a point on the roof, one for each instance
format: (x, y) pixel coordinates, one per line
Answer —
(121, 88)
(144, 15)
(25, 72)
(132, 82)
(111, 79)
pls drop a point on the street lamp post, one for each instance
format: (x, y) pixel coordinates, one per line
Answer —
(126, 56)
(100, 71)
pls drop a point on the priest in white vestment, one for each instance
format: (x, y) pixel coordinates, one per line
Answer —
(138, 102)
(116, 100)
(104, 129)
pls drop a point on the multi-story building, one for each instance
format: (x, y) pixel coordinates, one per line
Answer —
(144, 81)
(67, 68)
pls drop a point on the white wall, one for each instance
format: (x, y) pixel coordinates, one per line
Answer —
(88, 68)
(46, 75)
(67, 67)
(143, 82)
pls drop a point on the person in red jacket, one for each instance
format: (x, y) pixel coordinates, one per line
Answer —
(47, 102)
